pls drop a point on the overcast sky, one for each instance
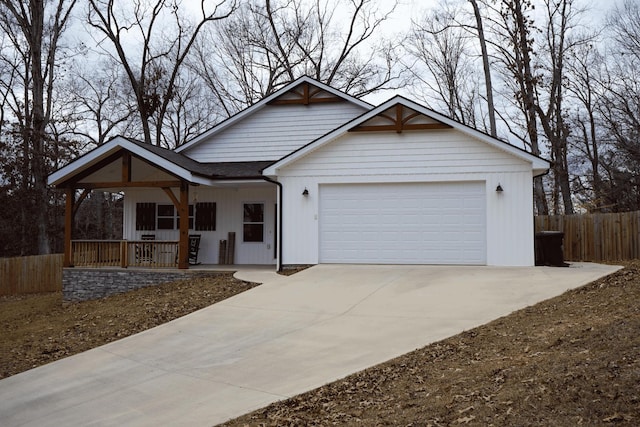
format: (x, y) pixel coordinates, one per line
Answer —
(596, 11)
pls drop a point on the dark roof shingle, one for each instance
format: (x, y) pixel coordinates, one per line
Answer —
(215, 170)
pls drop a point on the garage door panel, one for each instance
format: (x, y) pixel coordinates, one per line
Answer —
(437, 223)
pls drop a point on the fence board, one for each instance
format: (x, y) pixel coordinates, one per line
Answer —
(31, 274)
(596, 237)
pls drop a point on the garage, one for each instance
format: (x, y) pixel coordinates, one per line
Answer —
(403, 223)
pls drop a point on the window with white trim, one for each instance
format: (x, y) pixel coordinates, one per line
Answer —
(253, 222)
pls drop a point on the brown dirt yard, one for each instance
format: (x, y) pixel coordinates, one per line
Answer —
(571, 360)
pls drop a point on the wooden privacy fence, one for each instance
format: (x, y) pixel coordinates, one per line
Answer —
(596, 237)
(31, 274)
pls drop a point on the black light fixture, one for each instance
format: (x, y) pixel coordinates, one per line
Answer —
(305, 193)
(499, 189)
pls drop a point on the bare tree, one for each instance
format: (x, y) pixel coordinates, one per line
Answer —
(442, 64)
(491, 111)
(165, 40)
(512, 27)
(559, 42)
(192, 109)
(620, 109)
(35, 29)
(623, 23)
(586, 80)
(98, 98)
(268, 43)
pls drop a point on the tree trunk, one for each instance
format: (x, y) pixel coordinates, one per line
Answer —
(487, 71)
(528, 95)
(37, 136)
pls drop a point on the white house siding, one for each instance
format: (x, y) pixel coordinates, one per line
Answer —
(429, 157)
(229, 215)
(268, 134)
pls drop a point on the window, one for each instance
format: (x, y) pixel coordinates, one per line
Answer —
(150, 216)
(166, 217)
(206, 216)
(145, 216)
(253, 222)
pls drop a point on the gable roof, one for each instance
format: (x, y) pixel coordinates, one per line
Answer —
(282, 96)
(175, 163)
(379, 118)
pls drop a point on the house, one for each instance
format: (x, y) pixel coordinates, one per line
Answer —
(312, 175)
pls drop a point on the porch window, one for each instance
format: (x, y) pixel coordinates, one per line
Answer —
(152, 216)
(206, 216)
(166, 217)
(253, 222)
(169, 219)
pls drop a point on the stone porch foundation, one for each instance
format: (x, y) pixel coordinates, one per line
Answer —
(81, 284)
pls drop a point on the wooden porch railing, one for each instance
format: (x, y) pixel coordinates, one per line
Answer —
(124, 253)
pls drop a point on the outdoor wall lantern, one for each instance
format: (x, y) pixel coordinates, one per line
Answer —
(305, 193)
(499, 189)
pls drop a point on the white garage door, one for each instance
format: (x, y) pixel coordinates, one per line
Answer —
(434, 223)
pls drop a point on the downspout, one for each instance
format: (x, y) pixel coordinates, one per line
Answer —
(279, 237)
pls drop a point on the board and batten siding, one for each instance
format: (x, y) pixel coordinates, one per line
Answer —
(429, 157)
(408, 153)
(273, 132)
(229, 217)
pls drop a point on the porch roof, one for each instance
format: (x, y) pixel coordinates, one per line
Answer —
(169, 161)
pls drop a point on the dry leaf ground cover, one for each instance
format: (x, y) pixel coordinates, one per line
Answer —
(571, 360)
(38, 329)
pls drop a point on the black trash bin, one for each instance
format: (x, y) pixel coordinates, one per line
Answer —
(548, 248)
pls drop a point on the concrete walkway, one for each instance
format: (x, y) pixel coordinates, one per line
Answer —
(285, 337)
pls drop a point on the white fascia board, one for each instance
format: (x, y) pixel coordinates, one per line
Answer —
(105, 150)
(263, 102)
(85, 161)
(163, 163)
(539, 166)
(237, 182)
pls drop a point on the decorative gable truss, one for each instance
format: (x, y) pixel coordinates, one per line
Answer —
(399, 118)
(305, 94)
(398, 115)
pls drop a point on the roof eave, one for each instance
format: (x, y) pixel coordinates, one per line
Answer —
(64, 174)
(265, 101)
(539, 165)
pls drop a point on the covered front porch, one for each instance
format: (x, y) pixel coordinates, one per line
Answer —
(177, 212)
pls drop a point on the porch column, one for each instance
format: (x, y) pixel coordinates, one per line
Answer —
(68, 226)
(183, 211)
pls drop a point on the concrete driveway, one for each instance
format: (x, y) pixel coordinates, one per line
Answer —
(285, 337)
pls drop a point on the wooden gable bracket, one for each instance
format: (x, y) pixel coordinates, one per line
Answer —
(400, 122)
(126, 166)
(182, 206)
(172, 196)
(305, 94)
(125, 180)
